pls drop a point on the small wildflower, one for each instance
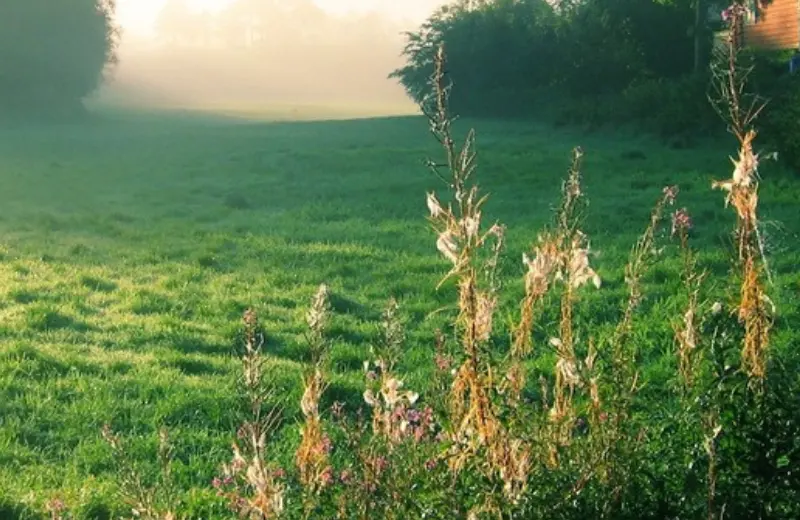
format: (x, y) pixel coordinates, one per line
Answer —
(57, 505)
(326, 478)
(431, 464)
(681, 221)
(381, 464)
(670, 194)
(345, 476)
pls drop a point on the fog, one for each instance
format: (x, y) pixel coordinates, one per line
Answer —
(257, 56)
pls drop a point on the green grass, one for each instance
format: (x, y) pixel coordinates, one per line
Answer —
(130, 246)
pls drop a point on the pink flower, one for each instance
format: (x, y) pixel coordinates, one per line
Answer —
(327, 476)
(279, 473)
(670, 194)
(345, 476)
(216, 483)
(57, 505)
(681, 221)
(381, 464)
(431, 464)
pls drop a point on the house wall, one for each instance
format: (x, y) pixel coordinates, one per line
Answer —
(777, 26)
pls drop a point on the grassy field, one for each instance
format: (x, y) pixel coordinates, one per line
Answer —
(131, 245)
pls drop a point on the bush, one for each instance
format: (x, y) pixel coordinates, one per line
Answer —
(676, 110)
(781, 121)
(670, 107)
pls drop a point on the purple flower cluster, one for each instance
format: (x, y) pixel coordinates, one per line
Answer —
(681, 221)
(734, 11)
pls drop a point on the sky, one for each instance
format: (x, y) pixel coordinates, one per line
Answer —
(138, 16)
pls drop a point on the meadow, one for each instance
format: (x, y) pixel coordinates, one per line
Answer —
(132, 244)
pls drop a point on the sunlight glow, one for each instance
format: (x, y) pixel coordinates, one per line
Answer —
(139, 15)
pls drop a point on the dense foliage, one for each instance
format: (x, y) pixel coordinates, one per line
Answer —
(642, 63)
(52, 54)
(507, 53)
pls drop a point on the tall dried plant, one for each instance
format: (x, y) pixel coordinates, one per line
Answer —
(250, 482)
(148, 502)
(311, 456)
(479, 437)
(740, 110)
(573, 269)
(687, 329)
(391, 406)
(620, 437)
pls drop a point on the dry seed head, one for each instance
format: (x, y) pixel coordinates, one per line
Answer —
(434, 206)
(447, 246)
(484, 317)
(568, 372)
(472, 226)
(318, 314)
(314, 387)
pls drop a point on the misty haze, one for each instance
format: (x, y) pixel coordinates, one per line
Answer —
(254, 57)
(399, 259)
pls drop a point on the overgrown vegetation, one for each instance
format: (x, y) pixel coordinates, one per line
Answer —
(664, 387)
(584, 50)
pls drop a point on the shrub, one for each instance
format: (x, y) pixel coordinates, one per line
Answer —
(781, 121)
(670, 107)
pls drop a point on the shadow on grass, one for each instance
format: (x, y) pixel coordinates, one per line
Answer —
(193, 367)
(10, 510)
(45, 318)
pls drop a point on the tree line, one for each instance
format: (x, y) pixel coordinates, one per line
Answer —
(505, 54)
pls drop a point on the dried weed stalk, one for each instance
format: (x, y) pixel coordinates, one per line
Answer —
(148, 502)
(740, 110)
(478, 435)
(251, 484)
(394, 417)
(312, 454)
(687, 333)
(573, 269)
(619, 438)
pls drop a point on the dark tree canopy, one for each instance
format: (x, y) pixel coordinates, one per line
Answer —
(53, 53)
(503, 53)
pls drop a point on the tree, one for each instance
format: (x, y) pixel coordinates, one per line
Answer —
(53, 53)
(499, 51)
